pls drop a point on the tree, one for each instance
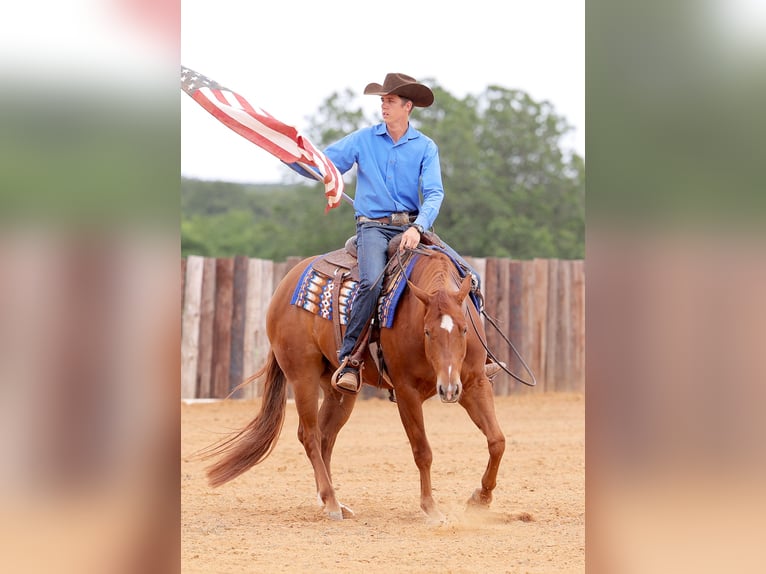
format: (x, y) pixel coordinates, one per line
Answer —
(509, 188)
(339, 115)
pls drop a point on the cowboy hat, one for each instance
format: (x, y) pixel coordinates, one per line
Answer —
(404, 86)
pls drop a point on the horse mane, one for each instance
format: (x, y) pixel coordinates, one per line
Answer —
(436, 276)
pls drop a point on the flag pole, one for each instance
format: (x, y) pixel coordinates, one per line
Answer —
(318, 177)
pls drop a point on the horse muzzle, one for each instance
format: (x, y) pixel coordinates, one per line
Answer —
(450, 392)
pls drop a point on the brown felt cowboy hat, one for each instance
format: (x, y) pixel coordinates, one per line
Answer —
(404, 86)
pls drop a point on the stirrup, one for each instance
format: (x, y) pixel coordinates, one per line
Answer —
(347, 386)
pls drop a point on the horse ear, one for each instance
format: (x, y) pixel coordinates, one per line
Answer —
(419, 293)
(465, 288)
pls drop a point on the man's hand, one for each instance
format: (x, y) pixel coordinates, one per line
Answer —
(410, 239)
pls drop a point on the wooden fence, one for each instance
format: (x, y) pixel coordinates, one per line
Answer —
(539, 305)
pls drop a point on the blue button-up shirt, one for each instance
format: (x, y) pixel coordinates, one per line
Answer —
(390, 175)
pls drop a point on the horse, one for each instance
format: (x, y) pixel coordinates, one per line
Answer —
(435, 346)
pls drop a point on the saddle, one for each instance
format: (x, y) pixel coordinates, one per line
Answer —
(341, 263)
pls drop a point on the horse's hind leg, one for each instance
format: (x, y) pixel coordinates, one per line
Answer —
(479, 402)
(304, 374)
(310, 436)
(333, 414)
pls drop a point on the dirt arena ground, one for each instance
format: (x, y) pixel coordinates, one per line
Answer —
(268, 519)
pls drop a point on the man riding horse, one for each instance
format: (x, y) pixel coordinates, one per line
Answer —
(396, 164)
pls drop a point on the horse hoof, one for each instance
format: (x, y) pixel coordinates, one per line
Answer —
(436, 522)
(335, 515)
(435, 518)
(346, 511)
(479, 501)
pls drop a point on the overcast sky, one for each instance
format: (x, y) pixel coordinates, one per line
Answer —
(288, 57)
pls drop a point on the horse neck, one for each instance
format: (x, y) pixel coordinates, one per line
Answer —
(435, 273)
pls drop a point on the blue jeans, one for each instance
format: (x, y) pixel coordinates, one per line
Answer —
(456, 256)
(371, 246)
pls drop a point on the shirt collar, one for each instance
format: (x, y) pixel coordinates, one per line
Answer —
(410, 134)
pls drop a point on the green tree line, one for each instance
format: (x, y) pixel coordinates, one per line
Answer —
(511, 190)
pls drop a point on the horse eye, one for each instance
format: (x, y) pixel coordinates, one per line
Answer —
(428, 333)
(465, 330)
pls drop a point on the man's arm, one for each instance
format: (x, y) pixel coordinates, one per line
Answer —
(432, 188)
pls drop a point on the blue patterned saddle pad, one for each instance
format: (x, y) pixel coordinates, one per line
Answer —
(314, 293)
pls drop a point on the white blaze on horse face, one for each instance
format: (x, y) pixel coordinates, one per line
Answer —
(447, 323)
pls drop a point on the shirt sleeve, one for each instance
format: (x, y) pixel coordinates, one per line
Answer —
(431, 186)
(343, 153)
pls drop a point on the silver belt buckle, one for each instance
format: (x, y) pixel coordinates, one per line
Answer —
(400, 218)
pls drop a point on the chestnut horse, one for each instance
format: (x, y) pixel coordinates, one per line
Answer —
(434, 346)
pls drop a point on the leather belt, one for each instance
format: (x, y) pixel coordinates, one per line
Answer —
(398, 218)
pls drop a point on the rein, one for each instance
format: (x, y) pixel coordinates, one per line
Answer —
(491, 321)
(410, 253)
(507, 340)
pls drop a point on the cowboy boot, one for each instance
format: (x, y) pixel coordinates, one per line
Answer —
(347, 378)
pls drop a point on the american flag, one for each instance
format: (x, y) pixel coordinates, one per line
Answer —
(264, 130)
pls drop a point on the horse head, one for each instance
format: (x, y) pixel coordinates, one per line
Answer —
(444, 329)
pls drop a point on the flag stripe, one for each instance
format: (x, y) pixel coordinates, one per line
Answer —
(281, 141)
(243, 129)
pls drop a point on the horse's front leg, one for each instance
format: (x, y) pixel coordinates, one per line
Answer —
(479, 402)
(411, 413)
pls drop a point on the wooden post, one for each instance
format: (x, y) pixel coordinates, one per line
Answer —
(207, 314)
(190, 326)
(553, 326)
(260, 286)
(578, 324)
(239, 303)
(527, 342)
(491, 290)
(497, 305)
(538, 362)
(224, 280)
(248, 349)
(183, 280)
(564, 362)
(515, 326)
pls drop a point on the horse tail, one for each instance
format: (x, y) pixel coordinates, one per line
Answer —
(254, 442)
